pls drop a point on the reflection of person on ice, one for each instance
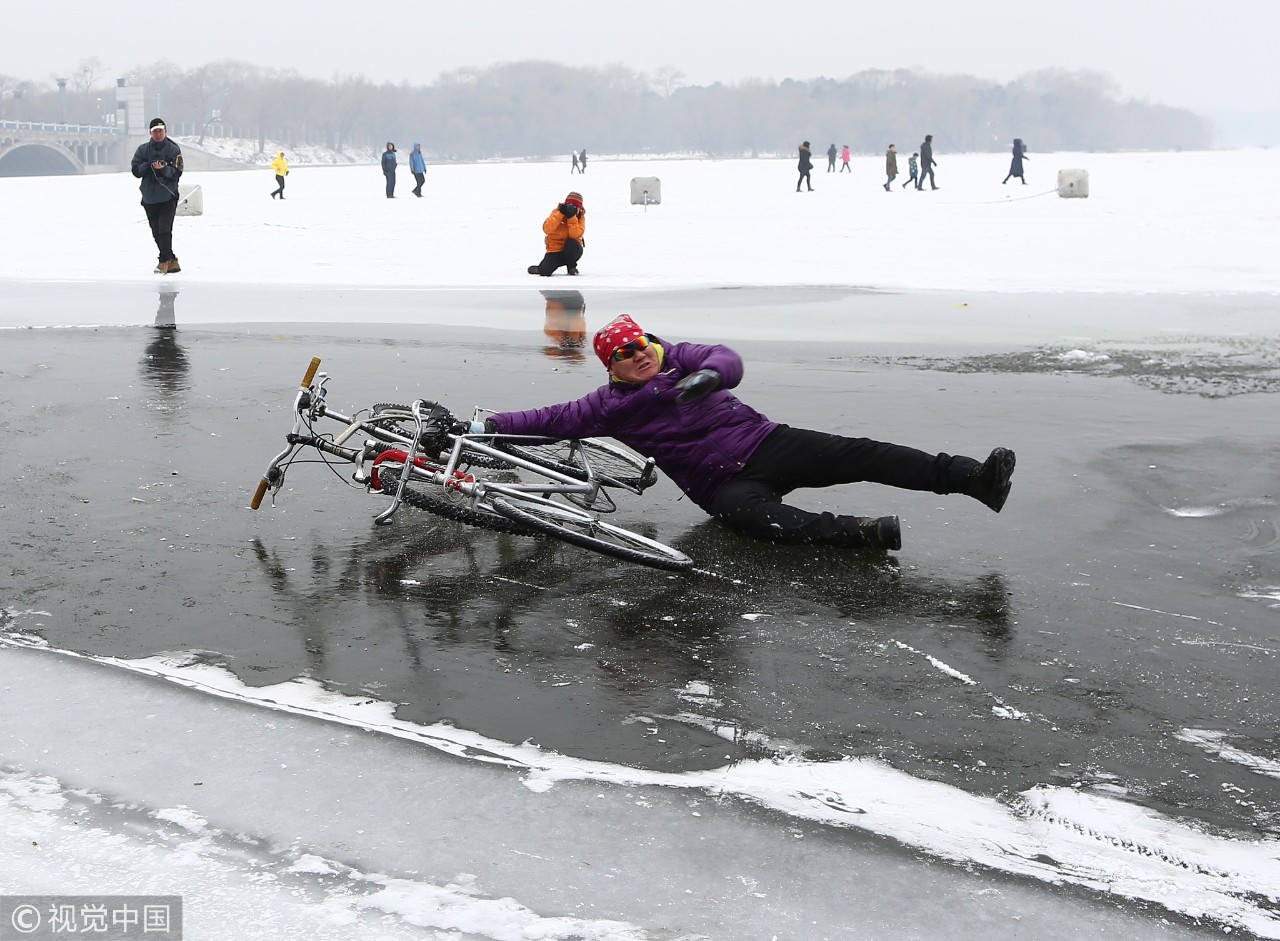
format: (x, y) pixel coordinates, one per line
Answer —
(566, 324)
(564, 230)
(672, 401)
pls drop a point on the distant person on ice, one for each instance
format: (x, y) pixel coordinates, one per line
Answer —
(564, 230)
(890, 166)
(158, 164)
(806, 166)
(281, 168)
(418, 167)
(1015, 167)
(831, 159)
(582, 160)
(844, 159)
(927, 163)
(913, 171)
(672, 401)
(389, 169)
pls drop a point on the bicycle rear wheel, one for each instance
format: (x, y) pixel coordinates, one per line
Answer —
(583, 529)
(613, 466)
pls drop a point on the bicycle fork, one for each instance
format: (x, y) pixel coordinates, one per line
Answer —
(385, 517)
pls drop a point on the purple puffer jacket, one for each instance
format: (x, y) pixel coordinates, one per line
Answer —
(699, 445)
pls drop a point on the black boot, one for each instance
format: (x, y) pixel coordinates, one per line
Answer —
(989, 482)
(882, 532)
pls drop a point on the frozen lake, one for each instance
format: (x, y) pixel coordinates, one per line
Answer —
(1059, 716)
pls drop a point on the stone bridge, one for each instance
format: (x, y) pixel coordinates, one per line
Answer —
(28, 148)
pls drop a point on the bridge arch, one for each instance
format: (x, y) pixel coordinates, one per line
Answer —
(37, 158)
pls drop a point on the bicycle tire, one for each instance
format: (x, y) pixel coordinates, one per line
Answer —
(584, 530)
(393, 423)
(461, 514)
(613, 466)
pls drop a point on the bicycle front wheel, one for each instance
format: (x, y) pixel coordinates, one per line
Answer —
(585, 530)
(612, 465)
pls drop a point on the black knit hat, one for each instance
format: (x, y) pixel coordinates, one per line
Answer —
(155, 123)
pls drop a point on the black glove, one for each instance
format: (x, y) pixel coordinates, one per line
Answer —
(568, 210)
(697, 385)
(435, 426)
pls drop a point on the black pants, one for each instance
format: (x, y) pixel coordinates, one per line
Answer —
(279, 190)
(160, 215)
(419, 178)
(923, 173)
(751, 502)
(804, 178)
(567, 256)
(391, 185)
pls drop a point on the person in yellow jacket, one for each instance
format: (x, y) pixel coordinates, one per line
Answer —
(281, 166)
(564, 229)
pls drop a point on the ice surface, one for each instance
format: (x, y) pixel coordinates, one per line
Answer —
(296, 810)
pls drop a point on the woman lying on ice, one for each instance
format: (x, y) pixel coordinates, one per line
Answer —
(671, 402)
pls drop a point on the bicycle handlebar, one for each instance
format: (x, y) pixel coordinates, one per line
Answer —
(259, 494)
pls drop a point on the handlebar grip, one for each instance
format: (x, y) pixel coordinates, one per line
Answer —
(311, 372)
(261, 491)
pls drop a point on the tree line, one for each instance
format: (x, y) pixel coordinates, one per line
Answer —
(539, 109)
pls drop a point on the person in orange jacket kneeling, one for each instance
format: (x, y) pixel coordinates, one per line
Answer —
(564, 229)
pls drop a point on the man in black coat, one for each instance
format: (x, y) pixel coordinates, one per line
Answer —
(927, 163)
(158, 164)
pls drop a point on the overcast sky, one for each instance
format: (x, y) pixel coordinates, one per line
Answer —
(1193, 53)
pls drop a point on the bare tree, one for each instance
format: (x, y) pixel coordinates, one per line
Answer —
(667, 79)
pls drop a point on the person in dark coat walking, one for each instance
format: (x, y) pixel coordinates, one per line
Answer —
(389, 169)
(582, 159)
(1015, 167)
(672, 401)
(831, 158)
(806, 166)
(927, 163)
(890, 166)
(158, 165)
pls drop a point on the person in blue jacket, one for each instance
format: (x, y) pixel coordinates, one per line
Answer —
(389, 169)
(418, 167)
(671, 402)
(157, 163)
